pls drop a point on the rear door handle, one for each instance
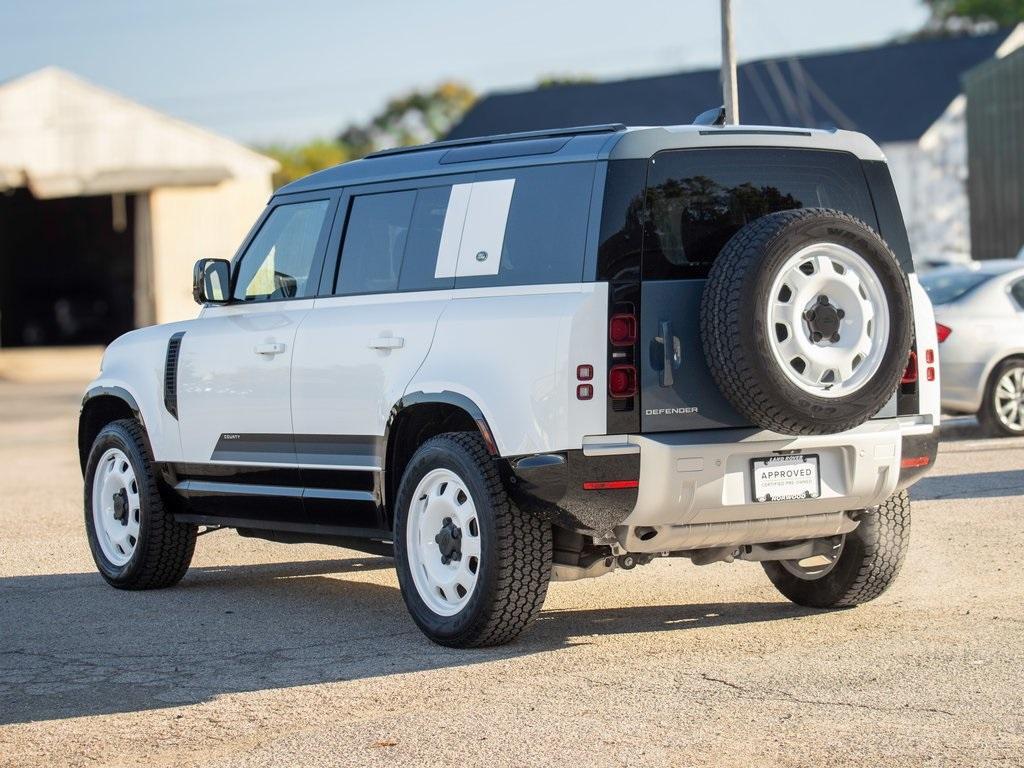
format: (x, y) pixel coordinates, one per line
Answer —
(387, 342)
(671, 353)
(270, 349)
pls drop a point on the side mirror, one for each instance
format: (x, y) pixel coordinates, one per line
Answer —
(211, 281)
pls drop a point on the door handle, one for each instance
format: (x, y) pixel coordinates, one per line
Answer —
(387, 342)
(273, 348)
(671, 353)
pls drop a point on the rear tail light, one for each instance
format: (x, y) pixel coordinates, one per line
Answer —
(610, 485)
(910, 373)
(942, 331)
(622, 330)
(913, 462)
(622, 381)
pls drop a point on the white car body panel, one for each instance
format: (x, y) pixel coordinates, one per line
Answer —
(514, 353)
(226, 385)
(135, 363)
(354, 356)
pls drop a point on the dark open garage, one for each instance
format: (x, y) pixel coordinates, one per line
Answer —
(66, 269)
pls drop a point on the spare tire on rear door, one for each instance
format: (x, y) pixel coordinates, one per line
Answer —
(806, 322)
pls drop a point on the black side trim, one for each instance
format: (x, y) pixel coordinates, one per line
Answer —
(914, 446)
(119, 392)
(551, 487)
(171, 374)
(331, 450)
(447, 398)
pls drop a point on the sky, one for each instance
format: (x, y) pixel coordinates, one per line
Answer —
(264, 71)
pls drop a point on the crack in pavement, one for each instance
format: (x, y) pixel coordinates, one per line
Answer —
(761, 695)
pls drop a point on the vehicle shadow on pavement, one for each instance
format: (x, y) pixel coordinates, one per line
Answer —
(972, 485)
(71, 646)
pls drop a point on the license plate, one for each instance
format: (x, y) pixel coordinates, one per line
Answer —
(785, 478)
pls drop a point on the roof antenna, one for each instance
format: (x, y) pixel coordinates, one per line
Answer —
(713, 116)
(730, 97)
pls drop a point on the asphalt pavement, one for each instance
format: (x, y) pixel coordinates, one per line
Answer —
(273, 654)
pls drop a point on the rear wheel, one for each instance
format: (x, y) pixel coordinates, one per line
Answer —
(861, 565)
(134, 541)
(473, 568)
(1002, 411)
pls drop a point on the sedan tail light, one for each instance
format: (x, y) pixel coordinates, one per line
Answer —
(942, 331)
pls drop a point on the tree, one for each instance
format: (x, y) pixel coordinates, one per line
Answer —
(417, 117)
(972, 16)
(414, 118)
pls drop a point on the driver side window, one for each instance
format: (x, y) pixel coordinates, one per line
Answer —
(278, 262)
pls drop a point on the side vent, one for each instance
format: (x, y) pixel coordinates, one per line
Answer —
(171, 374)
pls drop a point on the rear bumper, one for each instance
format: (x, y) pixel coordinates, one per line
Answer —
(695, 489)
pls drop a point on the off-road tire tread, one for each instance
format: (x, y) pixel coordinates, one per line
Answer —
(884, 532)
(720, 315)
(169, 545)
(524, 552)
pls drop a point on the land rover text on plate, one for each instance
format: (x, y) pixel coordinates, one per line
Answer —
(540, 356)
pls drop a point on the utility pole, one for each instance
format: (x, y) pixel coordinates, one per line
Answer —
(729, 96)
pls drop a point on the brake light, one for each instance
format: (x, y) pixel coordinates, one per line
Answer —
(622, 330)
(910, 373)
(942, 331)
(610, 485)
(622, 381)
(913, 462)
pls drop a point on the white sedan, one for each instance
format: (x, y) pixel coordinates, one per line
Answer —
(979, 313)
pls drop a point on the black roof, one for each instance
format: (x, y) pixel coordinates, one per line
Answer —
(891, 93)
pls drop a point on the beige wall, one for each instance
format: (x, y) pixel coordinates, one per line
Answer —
(190, 223)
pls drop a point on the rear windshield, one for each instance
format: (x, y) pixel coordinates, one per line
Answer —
(699, 198)
(947, 287)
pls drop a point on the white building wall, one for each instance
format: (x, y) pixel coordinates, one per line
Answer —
(931, 180)
(190, 223)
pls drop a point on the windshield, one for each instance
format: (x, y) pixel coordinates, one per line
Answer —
(947, 287)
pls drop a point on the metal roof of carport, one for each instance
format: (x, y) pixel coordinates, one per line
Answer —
(61, 136)
(892, 92)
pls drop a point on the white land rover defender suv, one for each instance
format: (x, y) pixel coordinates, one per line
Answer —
(540, 356)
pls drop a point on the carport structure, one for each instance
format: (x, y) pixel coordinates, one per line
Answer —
(104, 206)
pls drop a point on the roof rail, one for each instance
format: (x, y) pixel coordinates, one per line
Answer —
(519, 136)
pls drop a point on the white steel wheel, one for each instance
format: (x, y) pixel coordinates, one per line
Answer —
(1009, 399)
(816, 566)
(116, 506)
(443, 542)
(828, 320)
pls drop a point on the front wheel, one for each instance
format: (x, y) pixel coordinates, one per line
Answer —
(860, 567)
(134, 541)
(473, 568)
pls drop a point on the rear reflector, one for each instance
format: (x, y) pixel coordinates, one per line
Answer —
(622, 330)
(584, 372)
(912, 462)
(942, 331)
(584, 391)
(622, 381)
(610, 485)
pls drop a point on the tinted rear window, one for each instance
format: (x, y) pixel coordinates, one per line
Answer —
(697, 199)
(546, 230)
(947, 287)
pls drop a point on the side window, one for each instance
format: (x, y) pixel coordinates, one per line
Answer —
(1017, 291)
(421, 252)
(541, 231)
(278, 262)
(375, 239)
